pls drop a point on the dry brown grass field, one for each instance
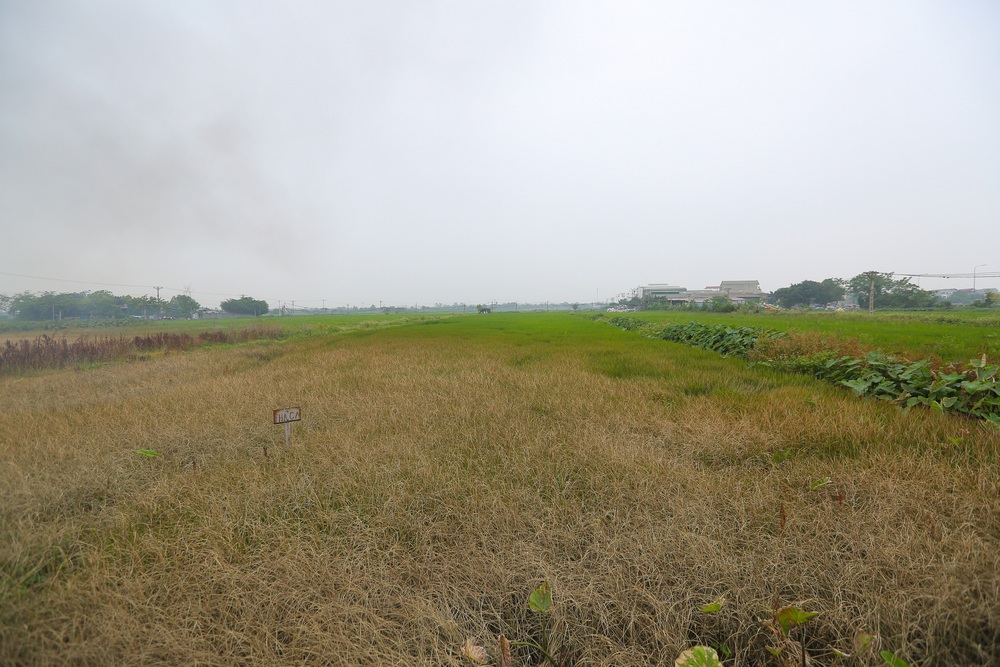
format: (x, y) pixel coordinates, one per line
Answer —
(442, 471)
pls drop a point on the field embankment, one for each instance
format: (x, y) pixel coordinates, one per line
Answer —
(972, 389)
(443, 470)
(947, 336)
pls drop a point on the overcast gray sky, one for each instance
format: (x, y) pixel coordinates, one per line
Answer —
(425, 151)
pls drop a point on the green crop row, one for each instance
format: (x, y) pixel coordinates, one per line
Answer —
(11, 325)
(972, 389)
(726, 340)
(955, 336)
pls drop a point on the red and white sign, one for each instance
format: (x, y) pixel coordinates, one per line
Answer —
(285, 415)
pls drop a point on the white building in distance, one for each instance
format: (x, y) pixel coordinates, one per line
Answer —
(740, 291)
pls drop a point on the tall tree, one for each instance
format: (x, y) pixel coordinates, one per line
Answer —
(38, 307)
(181, 305)
(809, 292)
(103, 304)
(889, 293)
(721, 303)
(244, 306)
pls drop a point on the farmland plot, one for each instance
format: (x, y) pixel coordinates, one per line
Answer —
(151, 513)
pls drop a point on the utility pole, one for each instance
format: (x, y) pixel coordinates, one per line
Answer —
(974, 269)
(871, 291)
(158, 304)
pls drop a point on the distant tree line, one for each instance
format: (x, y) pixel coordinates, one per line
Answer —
(890, 293)
(94, 305)
(244, 306)
(809, 292)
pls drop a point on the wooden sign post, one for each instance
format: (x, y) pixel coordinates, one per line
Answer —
(286, 416)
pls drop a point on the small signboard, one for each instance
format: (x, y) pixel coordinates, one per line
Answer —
(285, 415)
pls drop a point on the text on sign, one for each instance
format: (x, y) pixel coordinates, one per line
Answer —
(285, 415)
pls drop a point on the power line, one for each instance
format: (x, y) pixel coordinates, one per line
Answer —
(949, 275)
(79, 282)
(180, 290)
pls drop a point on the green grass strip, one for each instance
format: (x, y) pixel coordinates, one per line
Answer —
(971, 389)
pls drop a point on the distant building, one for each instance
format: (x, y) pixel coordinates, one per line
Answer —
(963, 297)
(741, 287)
(740, 291)
(206, 314)
(661, 290)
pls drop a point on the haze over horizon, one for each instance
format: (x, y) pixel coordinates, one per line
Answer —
(448, 152)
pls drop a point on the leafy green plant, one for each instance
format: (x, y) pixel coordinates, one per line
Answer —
(540, 602)
(781, 456)
(783, 621)
(710, 609)
(973, 391)
(893, 660)
(540, 599)
(791, 617)
(698, 656)
(726, 340)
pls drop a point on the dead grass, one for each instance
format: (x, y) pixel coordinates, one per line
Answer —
(44, 352)
(808, 343)
(441, 472)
